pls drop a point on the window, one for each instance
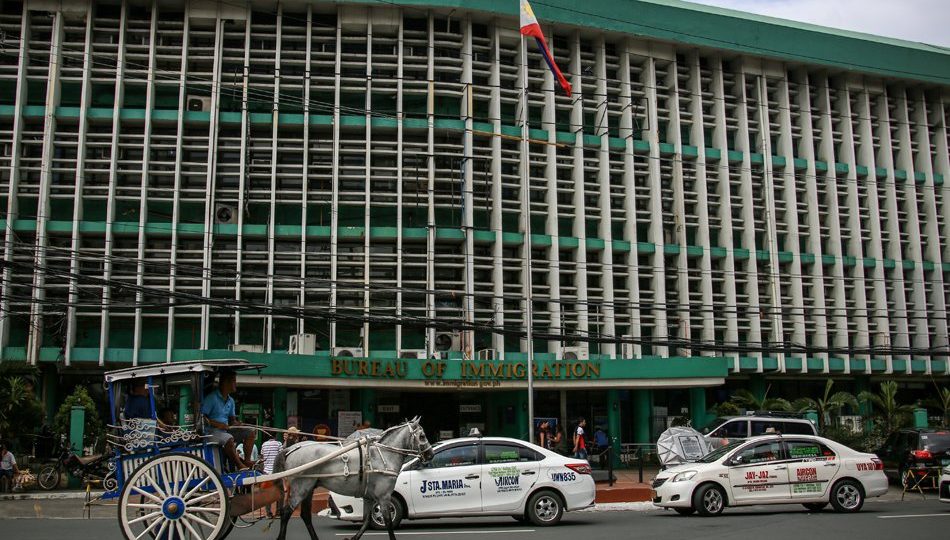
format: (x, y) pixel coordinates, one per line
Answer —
(509, 453)
(734, 428)
(806, 450)
(458, 456)
(760, 427)
(759, 453)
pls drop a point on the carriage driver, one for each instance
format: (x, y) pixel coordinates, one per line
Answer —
(222, 424)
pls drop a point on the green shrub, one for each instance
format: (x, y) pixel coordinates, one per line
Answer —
(93, 426)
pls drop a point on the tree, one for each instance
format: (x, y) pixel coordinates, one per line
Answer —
(885, 408)
(79, 398)
(20, 411)
(827, 405)
(750, 401)
(942, 402)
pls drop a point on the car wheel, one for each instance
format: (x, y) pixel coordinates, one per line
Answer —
(847, 496)
(545, 508)
(709, 500)
(396, 513)
(685, 511)
(815, 507)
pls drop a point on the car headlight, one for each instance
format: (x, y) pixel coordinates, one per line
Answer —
(684, 476)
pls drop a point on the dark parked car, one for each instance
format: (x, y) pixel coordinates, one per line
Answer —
(909, 448)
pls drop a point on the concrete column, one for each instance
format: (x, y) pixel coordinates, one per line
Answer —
(368, 404)
(697, 407)
(280, 408)
(77, 425)
(614, 424)
(642, 412)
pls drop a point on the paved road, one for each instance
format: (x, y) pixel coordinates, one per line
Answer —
(884, 520)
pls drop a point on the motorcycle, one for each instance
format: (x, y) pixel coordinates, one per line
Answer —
(95, 468)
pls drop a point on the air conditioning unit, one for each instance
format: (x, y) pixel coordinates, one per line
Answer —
(303, 344)
(488, 354)
(240, 347)
(576, 353)
(198, 103)
(627, 349)
(225, 213)
(348, 352)
(413, 354)
(448, 342)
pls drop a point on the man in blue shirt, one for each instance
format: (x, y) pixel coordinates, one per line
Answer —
(221, 425)
(138, 404)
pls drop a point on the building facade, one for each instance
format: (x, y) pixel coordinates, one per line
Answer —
(724, 199)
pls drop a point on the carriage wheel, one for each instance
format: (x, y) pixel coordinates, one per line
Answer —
(174, 497)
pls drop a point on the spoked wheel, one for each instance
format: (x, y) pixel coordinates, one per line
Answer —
(48, 478)
(174, 497)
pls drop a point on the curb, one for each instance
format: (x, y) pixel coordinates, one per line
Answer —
(49, 496)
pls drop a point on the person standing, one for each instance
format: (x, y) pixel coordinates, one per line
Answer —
(8, 468)
(580, 445)
(269, 451)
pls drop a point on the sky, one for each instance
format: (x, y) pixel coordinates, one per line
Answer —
(926, 21)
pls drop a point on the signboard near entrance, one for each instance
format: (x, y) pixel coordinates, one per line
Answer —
(471, 408)
(348, 421)
(388, 408)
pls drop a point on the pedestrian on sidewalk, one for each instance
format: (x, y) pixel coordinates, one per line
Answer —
(269, 450)
(580, 445)
(8, 468)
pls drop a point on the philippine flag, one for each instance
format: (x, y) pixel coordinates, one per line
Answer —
(530, 27)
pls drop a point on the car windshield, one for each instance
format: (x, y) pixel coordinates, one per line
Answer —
(937, 440)
(719, 452)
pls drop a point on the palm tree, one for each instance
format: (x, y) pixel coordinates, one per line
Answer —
(885, 406)
(827, 405)
(750, 401)
(942, 402)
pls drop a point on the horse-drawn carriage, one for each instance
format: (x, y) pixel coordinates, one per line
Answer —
(173, 483)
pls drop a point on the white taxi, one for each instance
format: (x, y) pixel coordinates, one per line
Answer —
(483, 476)
(773, 469)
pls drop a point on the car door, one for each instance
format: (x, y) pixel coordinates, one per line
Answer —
(888, 454)
(812, 468)
(758, 472)
(449, 484)
(509, 470)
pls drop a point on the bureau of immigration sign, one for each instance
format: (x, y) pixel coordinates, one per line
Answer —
(462, 370)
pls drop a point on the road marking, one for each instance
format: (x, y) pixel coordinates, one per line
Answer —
(946, 514)
(433, 533)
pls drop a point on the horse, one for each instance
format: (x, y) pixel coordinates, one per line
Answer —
(369, 472)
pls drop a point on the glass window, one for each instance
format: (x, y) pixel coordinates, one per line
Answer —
(808, 450)
(760, 453)
(508, 453)
(458, 456)
(761, 427)
(733, 428)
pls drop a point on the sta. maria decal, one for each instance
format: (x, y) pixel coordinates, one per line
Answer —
(443, 488)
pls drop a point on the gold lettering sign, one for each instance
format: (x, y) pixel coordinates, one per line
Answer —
(468, 371)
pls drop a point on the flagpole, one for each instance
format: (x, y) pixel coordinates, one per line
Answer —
(526, 197)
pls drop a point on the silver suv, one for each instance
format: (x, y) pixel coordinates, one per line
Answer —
(737, 428)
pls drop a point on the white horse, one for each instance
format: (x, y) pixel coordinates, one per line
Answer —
(368, 471)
